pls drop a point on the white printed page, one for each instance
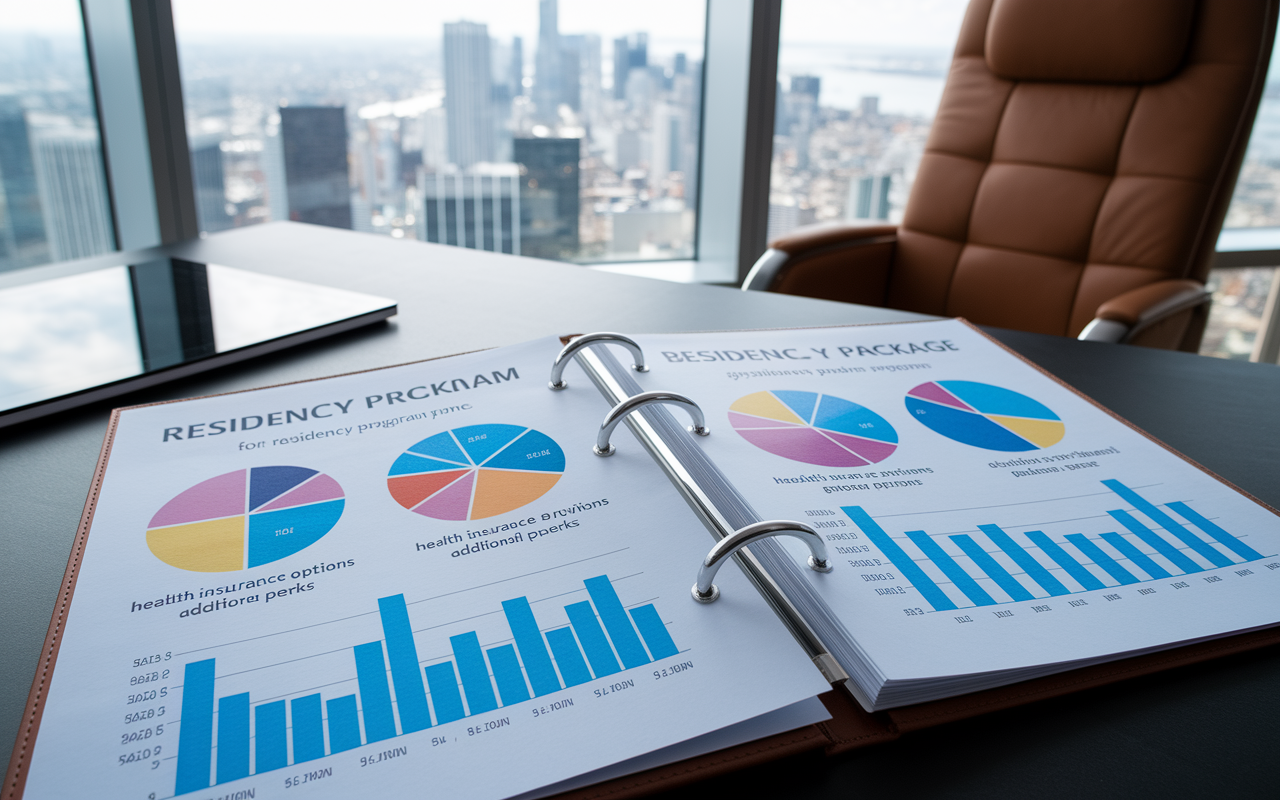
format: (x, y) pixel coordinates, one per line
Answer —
(981, 516)
(413, 581)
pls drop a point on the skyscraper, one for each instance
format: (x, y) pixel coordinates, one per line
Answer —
(478, 208)
(549, 196)
(629, 52)
(515, 70)
(211, 192)
(22, 233)
(467, 90)
(73, 192)
(314, 141)
(548, 77)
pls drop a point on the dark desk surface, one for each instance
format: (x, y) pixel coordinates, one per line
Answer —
(1208, 729)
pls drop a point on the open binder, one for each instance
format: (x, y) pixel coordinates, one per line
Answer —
(900, 612)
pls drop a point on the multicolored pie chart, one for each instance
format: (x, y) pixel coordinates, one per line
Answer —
(813, 428)
(986, 416)
(245, 519)
(476, 472)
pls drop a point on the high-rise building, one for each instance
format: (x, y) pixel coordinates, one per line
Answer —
(467, 92)
(548, 78)
(515, 70)
(549, 196)
(477, 208)
(22, 233)
(73, 192)
(317, 183)
(806, 84)
(571, 58)
(211, 193)
(629, 52)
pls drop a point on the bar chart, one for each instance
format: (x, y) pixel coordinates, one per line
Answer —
(225, 738)
(1147, 543)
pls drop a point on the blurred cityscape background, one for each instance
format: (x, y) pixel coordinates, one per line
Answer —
(561, 129)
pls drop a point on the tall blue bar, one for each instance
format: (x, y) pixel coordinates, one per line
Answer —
(1168, 523)
(616, 622)
(963, 580)
(1227, 540)
(308, 728)
(344, 723)
(585, 623)
(270, 747)
(195, 734)
(654, 632)
(1140, 559)
(507, 674)
(443, 683)
(1063, 559)
(1176, 557)
(411, 695)
(1025, 560)
(375, 695)
(572, 668)
(474, 672)
(233, 737)
(992, 567)
(533, 650)
(885, 544)
(1096, 555)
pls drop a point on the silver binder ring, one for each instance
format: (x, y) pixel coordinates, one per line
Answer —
(704, 591)
(621, 410)
(557, 368)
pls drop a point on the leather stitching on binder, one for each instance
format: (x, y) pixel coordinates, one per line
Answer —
(15, 780)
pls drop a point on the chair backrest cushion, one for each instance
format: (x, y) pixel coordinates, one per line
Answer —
(1082, 148)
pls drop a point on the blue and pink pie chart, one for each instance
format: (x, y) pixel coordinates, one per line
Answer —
(813, 428)
(986, 416)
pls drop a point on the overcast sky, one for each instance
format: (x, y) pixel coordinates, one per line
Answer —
(927, 23)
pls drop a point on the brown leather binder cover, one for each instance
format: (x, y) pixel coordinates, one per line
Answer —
(849, 728)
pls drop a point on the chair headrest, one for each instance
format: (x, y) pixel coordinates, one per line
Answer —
(1103, 41)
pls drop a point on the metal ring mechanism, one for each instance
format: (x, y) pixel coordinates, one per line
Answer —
(621, 410)
(557, 368)
(704, 591)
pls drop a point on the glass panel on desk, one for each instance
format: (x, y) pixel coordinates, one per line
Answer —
(53, 191)
(858, 85)
(564, 130)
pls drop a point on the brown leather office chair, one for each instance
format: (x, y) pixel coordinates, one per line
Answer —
(1075, 179)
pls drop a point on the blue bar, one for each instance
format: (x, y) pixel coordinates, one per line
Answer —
(308, 728)
(507, 674)
(572, 668)
(1178, 558)
(993, 569)
(233, 737)
(271, 750)
(474, 672)
(963, 581)
(1063, 559)
(344, 724)
(585, 623)
(443, 684)
(923, 583)
(1139, 558)
(411, 695)
(1025, 560)
(616, 622)
(1169, 524)
(1095, 554)
(375, 696)
(1230, 542)
(654, 632)
(533, 650)
(195, 734)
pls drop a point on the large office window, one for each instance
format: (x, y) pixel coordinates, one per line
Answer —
(560, 129)
(858, 85)
(54, 204)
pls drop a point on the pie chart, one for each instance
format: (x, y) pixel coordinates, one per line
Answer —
(813, 428)
(986, 416)
(476, 472)
(245, 518)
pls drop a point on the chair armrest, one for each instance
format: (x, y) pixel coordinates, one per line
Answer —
(1155, 310)
(835, 262)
